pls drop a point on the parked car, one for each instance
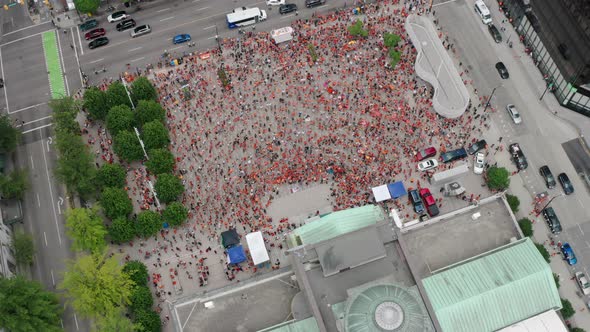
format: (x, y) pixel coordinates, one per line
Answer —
(427, 165)
(502, 70)
(98, 42)
(547, 176)
(140, 30)
(477, 146)
(182, 38)
(287, 8)
(514, 114)
(314, 3)
(416, 201)
(583, 282)
(127, 24)
(552, 220)
(495, 33)
(453, 155)
(95, 33)
(275, 2)
(479, 163)
(429, 201)
(425, 153)
(518, 156)
(568, 254)
(117, 16)
(87, 25)
(565, 182)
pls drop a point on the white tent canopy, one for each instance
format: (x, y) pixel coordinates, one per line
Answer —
(257, 248)
(381, 193)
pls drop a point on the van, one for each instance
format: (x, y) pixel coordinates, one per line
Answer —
(484, 13)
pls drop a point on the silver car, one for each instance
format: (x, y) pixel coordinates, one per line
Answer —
(140, 30)
(583, 282)
(513, 113)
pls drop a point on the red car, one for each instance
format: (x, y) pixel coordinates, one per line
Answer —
(429, 202)
(95, 33)
(425, 153)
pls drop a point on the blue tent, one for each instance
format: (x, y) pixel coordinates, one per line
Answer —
(236, 254)
(397, 189)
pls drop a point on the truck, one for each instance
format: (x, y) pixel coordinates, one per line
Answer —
(282, 35)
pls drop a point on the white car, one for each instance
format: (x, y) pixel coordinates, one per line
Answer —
(583, 282)
(275, 2)
(479, 163)
(140, 30)
(427, 165)
(117, 16)
(513, 113)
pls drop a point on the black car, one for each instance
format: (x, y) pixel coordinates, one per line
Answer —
(495, 33)
(287, 8)
(88, 25)
(453, 155)
(502, 70)
(552, 220)
(98, 42)
(127, 24)
(416, 201)
(518, 156)
(565, 182)
(547, 176)
(477, 146)
(314, 3)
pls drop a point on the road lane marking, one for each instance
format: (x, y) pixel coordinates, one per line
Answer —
(41, 119)
(37, 128)
(52, 278)
(80, 41)
(167, 18)
(53, 63)
(27, 37)
(211, 37)
(209, 27)
(162, 10)
(287, 16)
(45, 236)
(63, 66)
(76, 54)
(38, 199)
(32, 26)
(443, 3)
(196, 0)
(49, 142)
(5, 93)
(76, 321)
(95, 61)
(138, 59)
(51, 193)
(581, 231)
(177, 47)
(201, 9)
(33, 166)
(134, 49)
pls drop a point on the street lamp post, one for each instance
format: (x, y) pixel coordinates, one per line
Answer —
(547, 87)
(551, 200)
(217, 39)
(490, 99)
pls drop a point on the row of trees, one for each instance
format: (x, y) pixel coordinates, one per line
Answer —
(14, 184)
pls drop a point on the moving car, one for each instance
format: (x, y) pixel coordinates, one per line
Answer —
(98, 42)
(117, 16)
(518, 156)
(568, 254)
(429, 201)
(479, 163)
(416, 201)
(552, 220)
(565, 182)
(88, 25)
(514, 114)
(502, 70)
(275, 2)
(583, 282)
(453, 155)
(287, 8)
(140, 30)
(127, 24)
(427, 165)
(495, 33)
(477, 146)
(95, 33)
(314, 3)
(425, 153)
(547, 176)
(182, 38)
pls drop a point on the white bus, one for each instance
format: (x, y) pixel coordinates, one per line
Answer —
(245, 16)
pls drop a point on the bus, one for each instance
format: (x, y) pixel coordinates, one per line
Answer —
(245, 16)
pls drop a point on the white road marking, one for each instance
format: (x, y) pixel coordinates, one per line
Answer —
(28, 107)
(95, 61)
(76, 321)
(287, 16)
(27, 37)
(201, 9)
(41, 119)
(38, 199)
(32, 26)
(51, 194)
(63, 67)
(167, 18)
(580, 202)
(322, 6)
(138, 59)
(76, 54)
(52, 278)
(80, 42)
(134, 49)
(32, 163)
(162, 10)
(5, 93)
(443, 3)
(177, 47)
(212, 37)
(67, 85)
(581, 231)
(40, 127)
(196, 0)
(209, 27)
(45, 236)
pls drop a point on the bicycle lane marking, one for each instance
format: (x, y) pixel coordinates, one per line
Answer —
(54, 69)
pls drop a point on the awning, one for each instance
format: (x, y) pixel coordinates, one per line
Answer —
(397, 189)
(257, 248)
(236, 255)
(381, 193)
(230, 238)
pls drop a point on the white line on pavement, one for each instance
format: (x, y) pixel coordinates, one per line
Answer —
(63, 67)
(95, 61)
(38, 198)
(77, 58)
(138, 59)
(37, 128)
(52, 278)
(5, 93)
(32, 165)
(196, 0)
(443, 3)
(23, 38)
(211, 37)
(80, 42)
(177, 47)
(51, 193)
(167, 18)
(209, 27)
(28, 107)
(201, 9)
(45, 236)
(134, 49)
(76, 321)
(32, 26)
(37, 120)
(581, 231)
(287, 16)
(162, 10)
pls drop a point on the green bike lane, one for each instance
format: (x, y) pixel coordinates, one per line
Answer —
(53, 63)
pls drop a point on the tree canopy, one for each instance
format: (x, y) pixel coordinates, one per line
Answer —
(115, 203)
(112, 175)
(142, 89)
(23, 247)
(122, 230)
(148, 111)
(514, 202)
(65, 111)
(567, 309)
(391, 39)
(526, 226)
(168, 187)
(75, 167)
(117, 95)
(126, 146)
(498, 178)
(175, 214)
(137, 272)
(87, 6)
(161, 161)
(120, 118)
(86, 229)
(155, 135)
(149, 320)
(357, 29)
(96, 103)
(25, 306)
(148, 223)
(141, 299)
(15, 184)
(9, 135)
(115, 322)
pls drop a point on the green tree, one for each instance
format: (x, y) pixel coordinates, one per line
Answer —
(120, 118)
(142, 89)
(75, 167)
(115, 322)
(9, 136)
(357, 29)
(498, 178)
(391, 40)
(87, 6)
(567, 310)
(96, 285)
(122, 230)
(137, 272)
(117, 95)
(149, 320)
(115, 203)
(86, 229)
(148, 111)
(23, 247)
(148, 223)
(141, 299)
(544, 252)
(126, 146)
(556, 278)
(14, 185)
(161, 161)
(514, 202)
(395, 56)
(96, 103)
(168, 187)
(65, 111)
(111, 175)
(25, 306)
(577, 329)
(155, 135)
(526, 226)
(175, 214)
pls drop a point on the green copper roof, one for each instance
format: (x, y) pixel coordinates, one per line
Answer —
(493, 290)
(338, 223)
(305, 325)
